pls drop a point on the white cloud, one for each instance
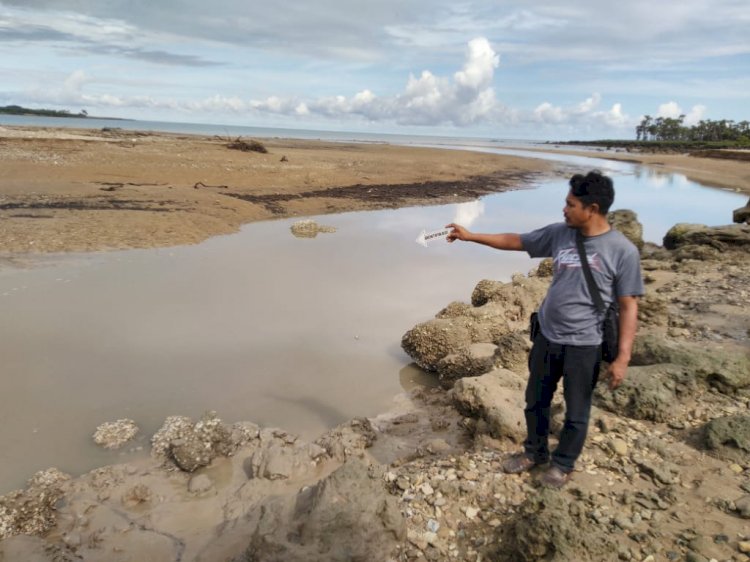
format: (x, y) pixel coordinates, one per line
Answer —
(426, 100)
(697, 113)
(583, 113)
(669, 110)
(673, 110)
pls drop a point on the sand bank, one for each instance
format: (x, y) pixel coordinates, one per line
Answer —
(83, 190)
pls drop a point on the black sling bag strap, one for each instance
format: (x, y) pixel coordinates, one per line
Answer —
(611, 324)
(593, 288)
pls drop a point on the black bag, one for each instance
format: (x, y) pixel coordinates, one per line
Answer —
(611, 323)
(533, 325)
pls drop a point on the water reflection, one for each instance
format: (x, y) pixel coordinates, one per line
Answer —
(467, 213)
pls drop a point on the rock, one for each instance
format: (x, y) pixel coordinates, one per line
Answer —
(742, 214)
(742, 506)
(429, 342)
(512, 352)
(545, 269)
(619, 447)
(475, 360)
(113, 435)
(727, 371)
(275, 459)
(626, 221)
(498, 309)
(309, 229)
(324, 524)
(693, 556)
(348, 439)
(647, 393)
(697, 252)
(707, 547)
(190, 446)
(546, 528)
(32, 511)
(522, 293)
(718, 237)
(190, 453)
(744, 547)
(729, 436)
(488, 398)
(652, 310)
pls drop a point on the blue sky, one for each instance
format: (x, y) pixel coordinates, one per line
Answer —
(508, 69)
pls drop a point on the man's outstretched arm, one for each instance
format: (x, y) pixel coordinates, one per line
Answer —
(507, 241)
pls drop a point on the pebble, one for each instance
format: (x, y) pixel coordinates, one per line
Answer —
(426, 489)
(619, 447)
(744, 547)
(471, 512)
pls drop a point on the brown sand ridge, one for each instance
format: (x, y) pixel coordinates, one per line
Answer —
(82, 190)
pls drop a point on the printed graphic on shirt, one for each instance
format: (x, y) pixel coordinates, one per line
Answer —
(568, 258)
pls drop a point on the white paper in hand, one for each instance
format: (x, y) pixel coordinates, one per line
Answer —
(425, 237)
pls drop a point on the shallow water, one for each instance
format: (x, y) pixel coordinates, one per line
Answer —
(260, 325)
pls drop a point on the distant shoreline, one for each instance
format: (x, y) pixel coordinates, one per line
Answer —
(63, 114)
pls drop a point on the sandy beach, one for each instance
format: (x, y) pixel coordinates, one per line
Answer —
(88, 190)
(83, 190)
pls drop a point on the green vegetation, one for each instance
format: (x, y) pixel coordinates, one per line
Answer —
(670, 129)
(18, 110)
(666, 134)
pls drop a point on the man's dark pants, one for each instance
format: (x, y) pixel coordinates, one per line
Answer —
(578, 367)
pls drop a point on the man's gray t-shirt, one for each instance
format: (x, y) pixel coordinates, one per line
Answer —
(568, 314)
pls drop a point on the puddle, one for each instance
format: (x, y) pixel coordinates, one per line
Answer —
(302, 333)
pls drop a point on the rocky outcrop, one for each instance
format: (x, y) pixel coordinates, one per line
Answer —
(725, 370)
(729, 437)
(309, 229)
(719, 237)
(347, 516)
(279, 455)
(549, 527)
(192, 445)
(444, 344)
(349, 439)
(113, 435)
(626, 221)
(32, 511)
(475, 360)
(647, 393)
(497, 399)
(742, 214)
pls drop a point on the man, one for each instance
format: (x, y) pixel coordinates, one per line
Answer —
(568, 343)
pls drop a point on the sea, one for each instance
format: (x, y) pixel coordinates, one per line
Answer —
(233, 131)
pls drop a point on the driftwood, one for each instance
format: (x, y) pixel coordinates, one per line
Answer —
(200, 184)
(247, 146)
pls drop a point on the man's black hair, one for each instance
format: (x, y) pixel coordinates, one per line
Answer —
(592, 188)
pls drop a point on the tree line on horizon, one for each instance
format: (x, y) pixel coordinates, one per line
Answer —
(706, 130)
(18, 110)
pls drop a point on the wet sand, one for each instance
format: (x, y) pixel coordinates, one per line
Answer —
(84, 190)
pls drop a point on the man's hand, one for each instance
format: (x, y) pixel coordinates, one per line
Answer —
(616, 373)
(458, 233)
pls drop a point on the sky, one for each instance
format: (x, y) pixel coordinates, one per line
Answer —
(511, 69)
